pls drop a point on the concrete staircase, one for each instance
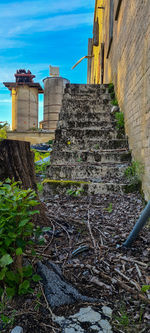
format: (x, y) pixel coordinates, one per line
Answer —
(88, 152)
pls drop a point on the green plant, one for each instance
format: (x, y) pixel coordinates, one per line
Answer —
(96, 146)
(40, 187)
(50, 142)
(134, 175)
(16, 229)
(109, 208)
(111, 87)
(76, 192)
(3, 130)
(39, 155)
(145, 288)
(40, 168)
(135, 170)
(79, 159)
(119, 120)
(114, 102)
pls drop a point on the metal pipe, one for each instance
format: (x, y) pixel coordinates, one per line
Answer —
(138, 226)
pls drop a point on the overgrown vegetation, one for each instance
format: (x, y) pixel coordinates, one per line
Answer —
(75, 192)
(134, 175)
(17, 207)
(40, 168)
(112, 94)
(119, 116)
(3, 131)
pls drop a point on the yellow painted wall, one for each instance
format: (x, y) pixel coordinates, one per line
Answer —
(99, 13)
(14, 121)
(128, 67)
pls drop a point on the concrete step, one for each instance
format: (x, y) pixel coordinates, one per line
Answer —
(86, 124)
(85, 171)
(58, 157)
(73, 135)
(86, 116)
(86, 88)
(62, 187)
(91, 144)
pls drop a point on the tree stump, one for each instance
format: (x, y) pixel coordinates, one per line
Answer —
(17, 161)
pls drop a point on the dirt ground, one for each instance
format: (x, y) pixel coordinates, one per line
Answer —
(83, 241)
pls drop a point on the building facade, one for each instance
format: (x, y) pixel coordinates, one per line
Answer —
(120, 50)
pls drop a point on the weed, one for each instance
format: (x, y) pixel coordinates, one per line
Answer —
(76, 192)
(114, 102)
(109, 208)
(145, 288)
(134, 175)
(16, 229)
(40, 168)
(79, 159)
(96, 146)
(111, 87)
(40, 187)
(3, 131)
(39, 155)
(119, 120)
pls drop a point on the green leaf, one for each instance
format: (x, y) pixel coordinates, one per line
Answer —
(12, 235)
(19, 251)
(11, 276)
(6, 260)
(11, 291)
(45, 229)
(8, 241)
(1, 291)
(2, 273)
(34, 202)
(23, 223)
(23, 287)
(36, 278)
(27, 271)
(34, 212)
(33, 252)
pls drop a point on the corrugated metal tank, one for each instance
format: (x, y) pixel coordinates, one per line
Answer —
(53, 94)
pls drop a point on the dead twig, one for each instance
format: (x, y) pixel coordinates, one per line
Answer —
(135, 261)
(48, 307)
(128, 279)
(136, 295)
(90, 231)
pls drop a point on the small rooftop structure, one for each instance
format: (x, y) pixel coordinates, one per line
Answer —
(54, 71)
(23, 77)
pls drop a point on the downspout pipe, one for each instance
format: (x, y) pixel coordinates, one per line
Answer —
(138, 226)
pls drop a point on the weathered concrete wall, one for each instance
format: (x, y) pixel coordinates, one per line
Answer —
(26, 108)
(32, 136)
(128, 66)
(53, 94)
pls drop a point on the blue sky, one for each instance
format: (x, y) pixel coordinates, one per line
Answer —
(37, 33)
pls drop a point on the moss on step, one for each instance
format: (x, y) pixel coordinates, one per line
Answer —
(62, 186)
(64, 182)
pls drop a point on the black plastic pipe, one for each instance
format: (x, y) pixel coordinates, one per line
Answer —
(138, 226)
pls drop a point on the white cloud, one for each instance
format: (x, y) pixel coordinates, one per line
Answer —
(9, 44)
(5, 101)
(44, 7)
(61, 22)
